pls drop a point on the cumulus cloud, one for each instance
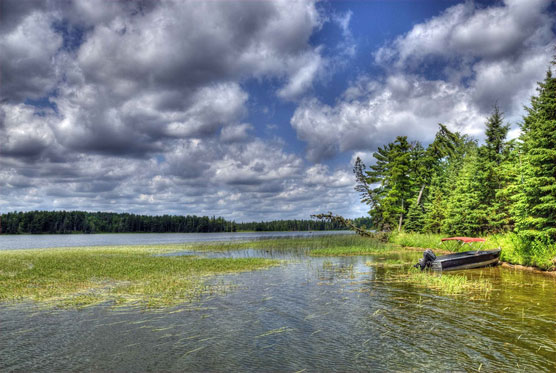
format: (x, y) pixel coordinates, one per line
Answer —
(29, 47)
(372, 113)
(146, 71)
(487, 56)
(140, 106)
(466, 30)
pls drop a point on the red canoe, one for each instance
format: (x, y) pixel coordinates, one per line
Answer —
(464, 239)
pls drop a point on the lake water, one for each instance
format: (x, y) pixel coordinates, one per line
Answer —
(311, 315)
(41, 241)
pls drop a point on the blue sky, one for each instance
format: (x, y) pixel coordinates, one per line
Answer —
(250, 110)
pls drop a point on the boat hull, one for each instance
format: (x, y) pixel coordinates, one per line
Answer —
(466, 260)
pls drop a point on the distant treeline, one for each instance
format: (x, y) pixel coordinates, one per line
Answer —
(108, 222)
(300, 225)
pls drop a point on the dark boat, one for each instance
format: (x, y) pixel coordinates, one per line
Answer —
(462, 260)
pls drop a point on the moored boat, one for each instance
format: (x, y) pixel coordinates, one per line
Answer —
(466, 260)
(461, 260)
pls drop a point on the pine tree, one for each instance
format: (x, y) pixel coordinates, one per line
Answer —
(396, 200)
(501, 218)
(419, 175)
(427, 165)
(387, 186)
(489, 171)
(465, 213)
(435, 209)
(536, 202)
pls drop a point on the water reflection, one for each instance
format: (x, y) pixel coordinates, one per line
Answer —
(318, 314)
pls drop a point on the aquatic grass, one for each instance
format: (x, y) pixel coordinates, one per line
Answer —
(123, 275)
(391, 263)
(334, 245)
(444, 283)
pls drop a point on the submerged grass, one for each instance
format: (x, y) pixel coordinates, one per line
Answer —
(123, 274)
(446, 284)
(392, 263)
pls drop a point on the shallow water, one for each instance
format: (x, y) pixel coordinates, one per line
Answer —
(42, 241)
(318, 314)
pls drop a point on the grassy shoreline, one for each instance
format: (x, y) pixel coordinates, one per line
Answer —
(512, 252)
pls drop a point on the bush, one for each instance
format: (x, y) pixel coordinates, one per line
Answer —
(537, 249)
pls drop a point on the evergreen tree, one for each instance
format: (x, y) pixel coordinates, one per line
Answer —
(420, 172)
(387, 186)
(500, 212)
(435, 208)
(536, 202)
(428, 165)
(465, 214)
(489, 171)
(397, 200)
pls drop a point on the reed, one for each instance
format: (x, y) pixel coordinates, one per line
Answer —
(123, 275)
(425, 241)
(446, 284)
(392, 263)
(334, 245)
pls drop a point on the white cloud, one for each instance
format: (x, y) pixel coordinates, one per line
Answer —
(300, 81)
(486, 56)
(235, 133)
(24, 132)
(466, 30)
(373, 113)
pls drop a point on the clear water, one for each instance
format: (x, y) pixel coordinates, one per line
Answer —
(42, 241)
(311, 314)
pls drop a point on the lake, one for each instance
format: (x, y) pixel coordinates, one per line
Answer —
(309, 314)
(42, 241)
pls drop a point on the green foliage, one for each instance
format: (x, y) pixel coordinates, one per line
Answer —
(289, 225)
(435, 209)
(415, 218)
(538, 250)
(455, 187)
(466, 214)
(425, 241)
(536, 201)
(387, 185)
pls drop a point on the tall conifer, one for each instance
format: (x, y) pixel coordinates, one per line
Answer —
(536, 203)
(490, 171)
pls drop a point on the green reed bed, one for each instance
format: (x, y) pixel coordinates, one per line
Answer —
(426, 241)
(123, 274)
(444, 283)
(334, 245)
(393, 262)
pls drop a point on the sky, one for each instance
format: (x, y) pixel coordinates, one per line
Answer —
(249, 110)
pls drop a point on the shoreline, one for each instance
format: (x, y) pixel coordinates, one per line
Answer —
(501, 262)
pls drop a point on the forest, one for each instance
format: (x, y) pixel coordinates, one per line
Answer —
(454, 186)
(109, 222)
